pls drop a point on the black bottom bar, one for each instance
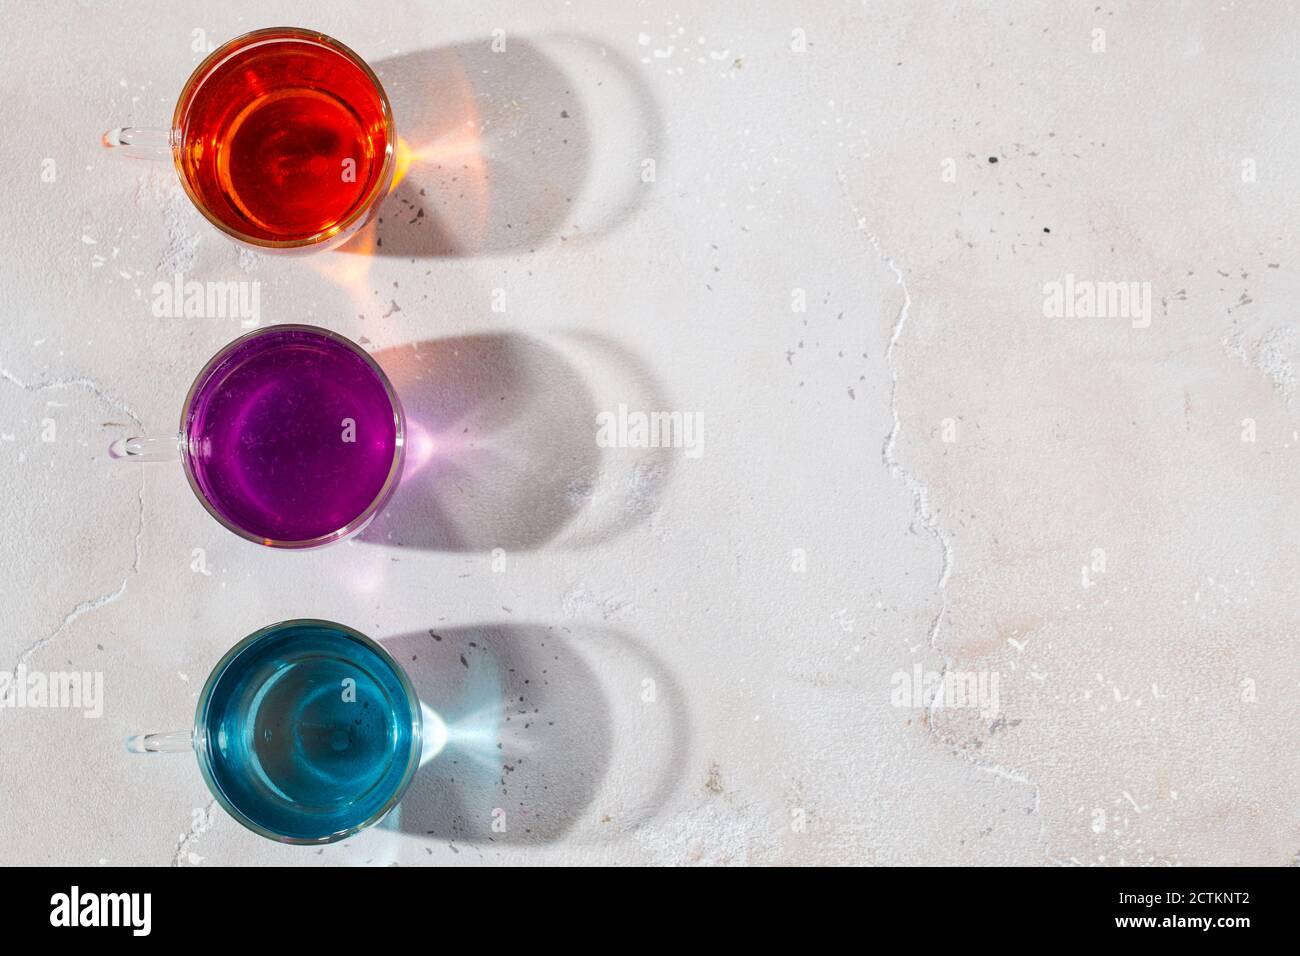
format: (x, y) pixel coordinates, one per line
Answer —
(331, 905)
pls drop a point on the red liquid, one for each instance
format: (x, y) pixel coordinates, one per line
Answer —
(284, 138)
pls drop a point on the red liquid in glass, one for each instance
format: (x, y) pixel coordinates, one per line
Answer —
(283, 139)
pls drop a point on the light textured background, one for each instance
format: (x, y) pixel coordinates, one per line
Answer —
(1148, 718)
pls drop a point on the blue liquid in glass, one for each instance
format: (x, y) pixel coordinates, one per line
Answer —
(309, 731)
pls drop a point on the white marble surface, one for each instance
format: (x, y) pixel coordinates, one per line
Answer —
(945, 458)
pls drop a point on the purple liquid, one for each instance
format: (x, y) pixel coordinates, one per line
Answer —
(268, 432)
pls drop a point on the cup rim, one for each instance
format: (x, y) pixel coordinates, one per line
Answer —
(204, 751)
(381, 497)
(377, 191)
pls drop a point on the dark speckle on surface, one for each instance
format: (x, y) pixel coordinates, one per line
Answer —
(993, 159)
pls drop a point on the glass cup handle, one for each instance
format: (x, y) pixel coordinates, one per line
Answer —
(146, 449)
(138, 142)
(179, 741)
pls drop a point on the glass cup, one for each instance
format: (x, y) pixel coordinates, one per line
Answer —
(291, 436)
(283, 138)
(306, 732)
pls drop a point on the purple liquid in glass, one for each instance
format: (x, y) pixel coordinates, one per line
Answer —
(292, 435)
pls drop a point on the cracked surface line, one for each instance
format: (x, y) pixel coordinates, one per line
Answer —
(89, 384)
(186, 842)
(185, 845)
(94, 604)
(922, 512)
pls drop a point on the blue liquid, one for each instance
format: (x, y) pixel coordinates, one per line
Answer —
(309, 731)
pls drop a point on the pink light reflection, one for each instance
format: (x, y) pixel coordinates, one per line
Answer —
(420, 449)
